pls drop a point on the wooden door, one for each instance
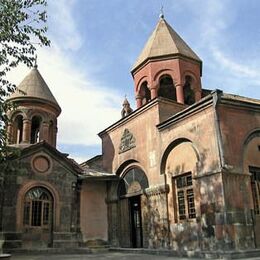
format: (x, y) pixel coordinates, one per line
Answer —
(124, 232)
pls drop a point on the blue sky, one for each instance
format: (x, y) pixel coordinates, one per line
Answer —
(95, 43)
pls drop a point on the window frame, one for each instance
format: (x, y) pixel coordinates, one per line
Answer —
(255, 188)
(34, 210)
(183, 192)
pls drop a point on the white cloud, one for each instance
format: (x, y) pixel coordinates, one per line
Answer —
(63, 28)
(234, 67)
(88, 106)
(214, 20)
(84, 102)
(85, 110)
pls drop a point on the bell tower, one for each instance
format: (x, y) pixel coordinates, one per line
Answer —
(34, 118)
(167, 67)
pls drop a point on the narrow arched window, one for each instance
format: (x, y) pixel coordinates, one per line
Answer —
(35, 130)
(145, 93)
(38, 204)
(18, 129)
(167, 88)
(189, 97)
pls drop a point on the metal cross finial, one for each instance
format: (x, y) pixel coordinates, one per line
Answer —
(35, 62)
(161, 13)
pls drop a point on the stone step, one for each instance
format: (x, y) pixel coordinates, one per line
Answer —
(65, 236)
(65, 244)
(43, 251)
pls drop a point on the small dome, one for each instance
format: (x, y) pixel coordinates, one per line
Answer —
(126, 102)
(34, 86)
(164, 42)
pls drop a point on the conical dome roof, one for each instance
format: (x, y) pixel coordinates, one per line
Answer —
(163, 42)
(34, 86)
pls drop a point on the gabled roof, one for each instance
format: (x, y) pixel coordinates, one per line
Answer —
(69, 163)
(34, 86)
(163, 42)
(83, 173)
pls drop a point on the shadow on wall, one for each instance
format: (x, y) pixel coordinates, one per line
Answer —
(155, 224)
(108, 150)
(214, 227)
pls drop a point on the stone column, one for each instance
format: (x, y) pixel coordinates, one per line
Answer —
(55, 131)
(154, 92)
(10, 133)
(26, 131)
(138, 99)
(197, 95)
(44, 132)
(113, 222)
(179, 93)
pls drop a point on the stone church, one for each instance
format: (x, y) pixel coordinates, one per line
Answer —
(179, 172)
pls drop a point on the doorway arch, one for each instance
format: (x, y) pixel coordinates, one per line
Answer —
(130, 189)
(37, 217)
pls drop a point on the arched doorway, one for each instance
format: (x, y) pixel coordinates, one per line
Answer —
(130, 190)
(37, 218)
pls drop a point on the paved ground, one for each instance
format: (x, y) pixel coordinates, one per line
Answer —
(103, 256)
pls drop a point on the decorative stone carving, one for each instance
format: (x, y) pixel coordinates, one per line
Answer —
(134, 187)
(158, 189)
(127, 141)
(41, 164)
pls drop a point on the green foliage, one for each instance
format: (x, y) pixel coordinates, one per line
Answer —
(22, 28)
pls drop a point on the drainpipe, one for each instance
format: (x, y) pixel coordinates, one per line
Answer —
(216, 98)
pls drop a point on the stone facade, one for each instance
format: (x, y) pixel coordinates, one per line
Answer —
(181, 172)
(191, 141)
(56, 176)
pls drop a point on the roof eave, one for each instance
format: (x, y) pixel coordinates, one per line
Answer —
(164, 57)
(54, 105)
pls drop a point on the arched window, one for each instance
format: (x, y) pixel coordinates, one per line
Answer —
(18, 129)
(167, 88)
(134, 181)
(145, 93)
(189, 97)
(38, 204)
(35, 130)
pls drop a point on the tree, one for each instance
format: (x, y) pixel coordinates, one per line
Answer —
(22, 29)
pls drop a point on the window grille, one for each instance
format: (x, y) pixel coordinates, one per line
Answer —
(37, 208)
(133, 175)
(185, 203)
(255, 184)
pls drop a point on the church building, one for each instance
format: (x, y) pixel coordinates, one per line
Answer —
(180, 172)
